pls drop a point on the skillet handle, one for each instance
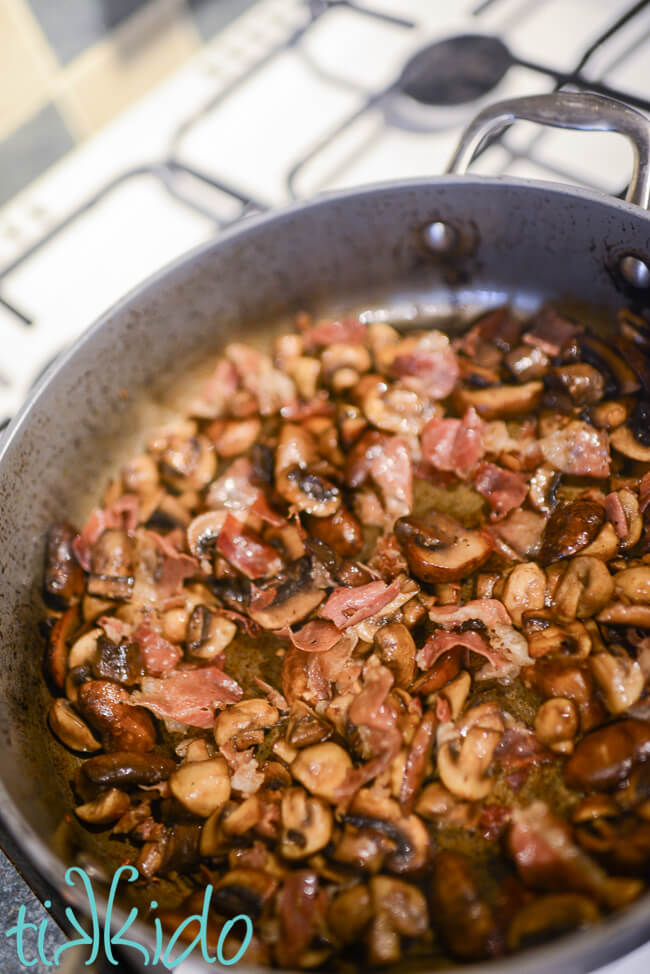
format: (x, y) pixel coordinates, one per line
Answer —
(565, 110)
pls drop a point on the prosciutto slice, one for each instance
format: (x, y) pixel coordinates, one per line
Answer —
(579, 449)
(504, 490)
(347, 606)
(454, 445)
(122, 514)
(490, 612)
(316, 636)
(441, 641)
(348, 330)
(159, 657)
(246, 551)
(616, 514)
(189, 696)
(432, 361)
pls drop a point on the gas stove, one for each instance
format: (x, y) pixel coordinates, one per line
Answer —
(297, 97)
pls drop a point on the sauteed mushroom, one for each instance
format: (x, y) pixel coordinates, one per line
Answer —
(328, 643)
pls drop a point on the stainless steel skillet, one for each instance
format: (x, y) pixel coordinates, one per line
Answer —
(430, 247)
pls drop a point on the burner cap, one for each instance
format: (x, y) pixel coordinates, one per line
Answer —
(456, 70)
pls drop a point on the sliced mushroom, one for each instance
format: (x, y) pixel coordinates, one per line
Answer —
(622, 614)
(395, 410)
(362, 848)
(84, 649)
(121, 727)
(604, 758)
(502, 401)
(243, 724)
(556, 724)
(349, 914)
(322, 769)
(140, 475)
(583, 383)
(203, 531)
(127, 769)
(231, 438)
(240, 819)
(440, 549)
(112, 575)
(56, 653)
(396, 649)
(570, 641)
(620, 679)
(583, 590)
(307, 824)
(527, 362)
(288, 611)
(71, 729)
(105, 809)
(201, 786)
(305, 727)
(208, 633)
(120, 662)
(633, 584)
(407, 832)
(605, 545)
(461, 915)
(624, 440)
(299, 485)
(341, 531)
(64, 577)
(547, 917)
(244, 891)
(524, 589)
(629, 532)
(399, 910)
(570, 528)
(188, 463)
(463, 763)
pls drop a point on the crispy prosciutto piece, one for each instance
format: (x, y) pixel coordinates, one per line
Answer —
(348, 330)
(234, 491)
(521, 531)
(347, 606)
(246, 551)
(158, 655)
(432, 361)
(317, 636)
(550, 332)
(491, 612)
(301, 906)
(386, 461)
(176, 565)
(520, 748)
(616, 514)
(440, 642)
(578, 449)
(547, 858)
(188, 695)
(503, 489)
(454, 445)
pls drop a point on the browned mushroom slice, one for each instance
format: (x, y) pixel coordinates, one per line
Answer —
(64, 577)
(201, 786)
(112, 575)
(622, 614)
(620, 678)
(188, 463)
(296, 481)
(583, 383)
(620, 378)
(105, 809)
(500, 401)
(121, 726)
(624, 440)
(556, 724)
(322, 769)
(203, 532)
(207, 633)
(396, 648)
(307, 824)
(583, 590)
(350, 913)
(462, 917)
(285, 612)
(177, 851)
(127, 769)
(341, 531)
(407, 832)
(439, 549)
(70, 728)
(550, 916)
(570, 528)
(243, 724)
(604, 758)
(56, 654)
(244, 891)
(399, 910)
(120, 662)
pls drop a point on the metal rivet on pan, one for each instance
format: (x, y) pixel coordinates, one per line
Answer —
(635, 271)
(440, 237)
